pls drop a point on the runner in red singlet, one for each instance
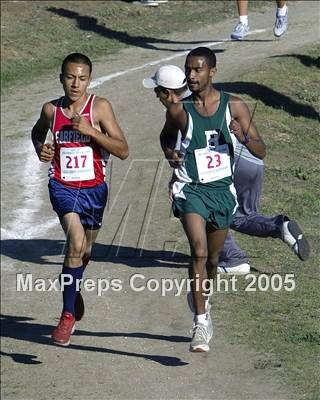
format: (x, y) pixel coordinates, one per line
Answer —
(85, 131)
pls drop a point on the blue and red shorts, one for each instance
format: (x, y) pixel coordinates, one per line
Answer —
(89, 203)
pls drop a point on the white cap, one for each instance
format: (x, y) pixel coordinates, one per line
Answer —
(167, 76)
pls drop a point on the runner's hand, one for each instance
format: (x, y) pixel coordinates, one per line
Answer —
(46, 152)
(236, 129)
(176, 159)
(81, 124)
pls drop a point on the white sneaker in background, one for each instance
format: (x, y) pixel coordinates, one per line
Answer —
(240, 31)
(150, 3)
(281, 24)
(240, 269)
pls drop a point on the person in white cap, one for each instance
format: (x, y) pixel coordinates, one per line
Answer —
(169, 84)
(167, 76)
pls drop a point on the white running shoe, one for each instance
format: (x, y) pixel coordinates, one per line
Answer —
(240, 31)
(241, 269)
(200, 339)
(150, 3)
(293, 236)
(281, 24)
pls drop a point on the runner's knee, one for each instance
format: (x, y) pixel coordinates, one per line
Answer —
(77, 247)
(213, 259)
(199, 252)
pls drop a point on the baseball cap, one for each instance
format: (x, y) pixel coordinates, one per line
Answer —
(167, 76)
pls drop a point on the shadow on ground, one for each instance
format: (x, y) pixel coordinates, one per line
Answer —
(270, 98)
(87, 23)
(308, 61)
(37, 250)
(23, 328)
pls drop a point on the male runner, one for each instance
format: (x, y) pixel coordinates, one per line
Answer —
(84, 128)
(203, 195)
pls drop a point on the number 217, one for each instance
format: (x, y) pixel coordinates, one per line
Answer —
(75, 164)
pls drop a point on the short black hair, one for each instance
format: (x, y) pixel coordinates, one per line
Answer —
(206, 53)
(76, 58)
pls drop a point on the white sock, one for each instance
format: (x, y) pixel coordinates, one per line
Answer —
(281, 12)
(206, 304)
(244, 19)
(201, 319)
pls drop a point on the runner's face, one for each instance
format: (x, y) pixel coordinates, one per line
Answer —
(162, 95)
(199, 74)
(75, 80)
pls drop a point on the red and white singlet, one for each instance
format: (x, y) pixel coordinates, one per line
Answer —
(78, 161)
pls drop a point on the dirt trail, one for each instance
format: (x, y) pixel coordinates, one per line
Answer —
(130, 345)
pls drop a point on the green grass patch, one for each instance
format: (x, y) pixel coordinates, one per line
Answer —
(37, 35)
(284, 326)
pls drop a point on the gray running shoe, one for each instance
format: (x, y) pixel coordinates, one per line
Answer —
(281, 25)
(293, 236)
(240, 31)
(200, 339)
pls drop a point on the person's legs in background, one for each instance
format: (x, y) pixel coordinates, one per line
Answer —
(242, 28)
(281, 23)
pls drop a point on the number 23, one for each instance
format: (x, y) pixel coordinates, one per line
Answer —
(214, 160)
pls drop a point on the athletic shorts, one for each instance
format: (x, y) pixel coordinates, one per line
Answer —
(216, 206)
(89, 203)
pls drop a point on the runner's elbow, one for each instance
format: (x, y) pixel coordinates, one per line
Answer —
(124, 153)
(262, 153)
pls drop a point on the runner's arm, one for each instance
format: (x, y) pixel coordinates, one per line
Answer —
(244, 129)
(176, 119)
(39, 132)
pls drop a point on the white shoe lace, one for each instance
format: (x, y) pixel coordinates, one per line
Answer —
(240, 27)
(280, 22)
(200, 332)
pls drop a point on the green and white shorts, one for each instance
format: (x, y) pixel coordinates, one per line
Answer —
(216, 206)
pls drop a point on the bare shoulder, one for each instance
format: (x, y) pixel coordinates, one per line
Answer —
(238, 106)
(236, 100)
(48, 109)
(101, 103)
(46, 116)
(175, 109)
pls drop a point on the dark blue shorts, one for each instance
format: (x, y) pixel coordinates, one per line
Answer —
(89, 203)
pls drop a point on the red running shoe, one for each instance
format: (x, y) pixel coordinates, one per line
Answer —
(61, 334)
